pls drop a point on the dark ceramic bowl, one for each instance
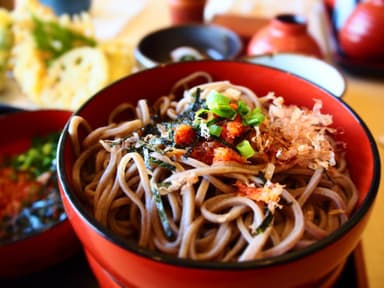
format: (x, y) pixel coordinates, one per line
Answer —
(117, 261)
(40, 249)
(211, 41)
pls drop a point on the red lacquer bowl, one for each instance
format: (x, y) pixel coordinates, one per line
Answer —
(41, 249)
(116, 261)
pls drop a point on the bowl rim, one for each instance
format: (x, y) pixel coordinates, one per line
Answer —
(163, 258)
(144, 60)
(14, 112)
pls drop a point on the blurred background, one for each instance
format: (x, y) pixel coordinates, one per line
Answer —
(348, 33)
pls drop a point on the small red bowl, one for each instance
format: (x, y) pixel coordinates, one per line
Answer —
(116, 260)
(41, 249)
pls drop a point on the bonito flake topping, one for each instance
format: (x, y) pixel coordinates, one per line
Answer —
(299, 135)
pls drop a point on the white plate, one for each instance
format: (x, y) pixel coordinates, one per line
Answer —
(310, 68)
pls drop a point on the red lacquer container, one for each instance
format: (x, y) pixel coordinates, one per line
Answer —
(186, 11)
(362, 37)
(284, 33)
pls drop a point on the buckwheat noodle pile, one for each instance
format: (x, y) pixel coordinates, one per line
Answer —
(216, 174)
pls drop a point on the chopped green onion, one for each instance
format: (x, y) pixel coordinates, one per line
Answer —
(254, 117)
(214, 99)
(242, 108)
(215, 130)
(40, 157)
(225, 111)
(245, 149)
(220, 105)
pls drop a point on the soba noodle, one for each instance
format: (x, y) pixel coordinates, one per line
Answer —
(201, 197)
